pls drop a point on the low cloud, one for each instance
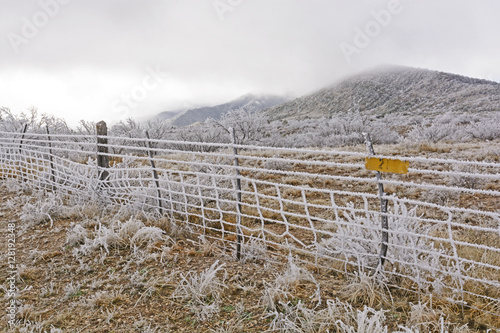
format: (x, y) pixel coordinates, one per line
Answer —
(75, 58)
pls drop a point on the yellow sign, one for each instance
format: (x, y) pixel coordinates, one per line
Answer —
(387, 165)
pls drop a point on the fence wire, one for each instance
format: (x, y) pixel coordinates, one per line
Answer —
(321, 206)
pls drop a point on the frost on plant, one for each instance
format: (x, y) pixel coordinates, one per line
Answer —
(466, 176)
(129, 228)
(293, 274)
(132, 234)
(76, 235)
(365, 288)
(279, 290)
(410, 251)
(337, 316)
(71, 290)
(253, 251)
(44, 209)
(203, 290)
(148, 235)
(367, 321)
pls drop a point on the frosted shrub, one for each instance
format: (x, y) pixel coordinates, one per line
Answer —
(203, 290)
(48, 291)
(279, 290)
(338, 316)
(286, 319)
(148, 235)
(201, 285)
(106, 238)
(44, 209)
(129, 228)
(432, 133)
(253, 250)
(440, 197)
(273, 294)
(293, 274)
(365, 288)
(12, 185)
(299, 318)
(216, 175)
(410, 250)
(275, 164)
(76, 235)
(367, 321)
(424, 319)
(487, 128)
(467, 181)
(356, 239)
(133, 234)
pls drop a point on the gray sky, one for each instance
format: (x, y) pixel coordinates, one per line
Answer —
(111, 59)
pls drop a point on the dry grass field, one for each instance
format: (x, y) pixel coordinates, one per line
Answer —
(97, 268)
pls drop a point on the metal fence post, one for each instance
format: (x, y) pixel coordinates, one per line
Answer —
(52, 172)
(383, 208)
(239, 232)
(21, 152)
(155, 173)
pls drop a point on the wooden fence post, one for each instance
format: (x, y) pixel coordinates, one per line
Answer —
(239, 232)
(383, 208)
(155, 173)
(102, 151)
(52, 172)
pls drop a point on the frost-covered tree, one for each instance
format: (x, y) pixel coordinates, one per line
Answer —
(248, 125)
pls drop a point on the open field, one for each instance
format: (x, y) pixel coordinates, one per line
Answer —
(131, 255)
(133, 289)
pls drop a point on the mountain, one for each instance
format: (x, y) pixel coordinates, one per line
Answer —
(248, 102)
(389, 90)
(167, 114)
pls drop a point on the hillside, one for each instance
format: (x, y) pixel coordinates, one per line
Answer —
(167, 114)
(401, 90)
(248, 102)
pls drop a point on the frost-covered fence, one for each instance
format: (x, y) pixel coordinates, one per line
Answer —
(320, 206)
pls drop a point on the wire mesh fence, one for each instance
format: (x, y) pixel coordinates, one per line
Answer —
(320, 206)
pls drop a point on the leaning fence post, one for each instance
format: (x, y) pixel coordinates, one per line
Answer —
(239, 232)
(155, 173)
(102, 151)
(383, 207)
(50, 158)
(21, 152)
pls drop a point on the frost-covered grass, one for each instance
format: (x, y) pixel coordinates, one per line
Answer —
(287, 215)
(203, 290)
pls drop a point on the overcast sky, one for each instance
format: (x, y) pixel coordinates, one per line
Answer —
(112, 59)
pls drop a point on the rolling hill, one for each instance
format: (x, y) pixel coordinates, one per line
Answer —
(388, 90)
(248, 102)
